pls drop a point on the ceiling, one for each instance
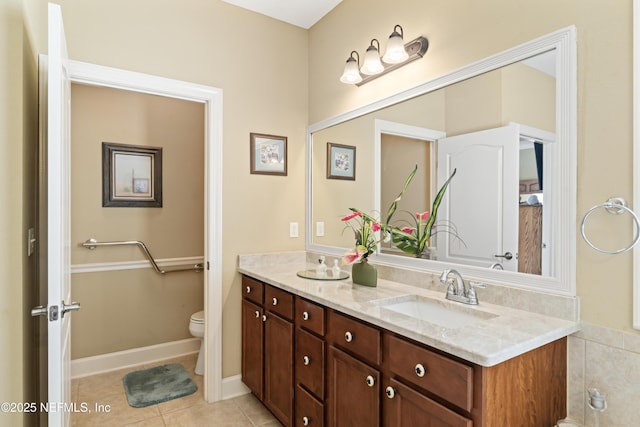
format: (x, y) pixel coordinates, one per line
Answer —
(302, 13)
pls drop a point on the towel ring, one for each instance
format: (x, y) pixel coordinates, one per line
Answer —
(616, 206)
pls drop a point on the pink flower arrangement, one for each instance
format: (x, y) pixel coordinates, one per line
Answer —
(364, 231)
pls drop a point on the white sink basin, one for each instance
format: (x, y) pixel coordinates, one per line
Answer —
(449, 315)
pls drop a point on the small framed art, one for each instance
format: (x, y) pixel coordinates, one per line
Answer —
(131, 176)
(268, 154)
(341, 161)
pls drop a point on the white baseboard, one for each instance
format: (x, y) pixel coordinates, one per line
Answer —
(136, 356)
(233, 387)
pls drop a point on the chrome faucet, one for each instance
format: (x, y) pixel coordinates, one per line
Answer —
(456, 288)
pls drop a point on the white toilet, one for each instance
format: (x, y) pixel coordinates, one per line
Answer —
(196, 327)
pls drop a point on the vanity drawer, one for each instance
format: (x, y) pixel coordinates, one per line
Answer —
(447, 378)
(355, 336)
(309, 362)
(309, 412)
(310, 316)
(278, 301)
(252, 290)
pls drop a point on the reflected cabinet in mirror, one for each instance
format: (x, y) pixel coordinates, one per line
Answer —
(507, 126)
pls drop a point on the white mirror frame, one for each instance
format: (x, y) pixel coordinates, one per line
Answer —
(563, 201)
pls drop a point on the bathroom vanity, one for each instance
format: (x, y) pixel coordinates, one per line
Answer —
(333, 353)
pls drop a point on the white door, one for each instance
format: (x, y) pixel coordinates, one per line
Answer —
(58, 250)
(481, 204)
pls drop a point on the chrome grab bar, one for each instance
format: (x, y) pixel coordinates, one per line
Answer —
(92, 243)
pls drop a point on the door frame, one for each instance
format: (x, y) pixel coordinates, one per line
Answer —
(97, 75)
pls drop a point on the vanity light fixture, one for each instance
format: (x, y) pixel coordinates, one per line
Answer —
(397, 55)
(372, 64)
(351, 74)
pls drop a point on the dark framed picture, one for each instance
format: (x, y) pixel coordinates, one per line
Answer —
(268, 154)
(131, 176)
(341, 161)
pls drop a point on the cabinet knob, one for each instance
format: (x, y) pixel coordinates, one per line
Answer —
(248, 289)
(305, 315)
(420, 370)
(305, 421)
(275, 301)
(390, 392)
(257, 313)
(371, 381)
(348, 336)
(306, 360)
(264, 317)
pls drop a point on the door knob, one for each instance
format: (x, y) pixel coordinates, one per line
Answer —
(74, 306)
(507, 255)
(39, 311)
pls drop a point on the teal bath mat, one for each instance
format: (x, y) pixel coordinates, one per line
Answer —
(158, 384)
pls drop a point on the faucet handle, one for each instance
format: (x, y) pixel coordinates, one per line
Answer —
(473, 297)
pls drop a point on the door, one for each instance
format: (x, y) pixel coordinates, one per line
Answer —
(481, 204)
(58, 209)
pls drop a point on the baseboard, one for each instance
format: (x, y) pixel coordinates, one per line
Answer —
(93, 365)
(233, 387)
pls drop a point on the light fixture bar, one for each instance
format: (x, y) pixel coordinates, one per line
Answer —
(416, 50)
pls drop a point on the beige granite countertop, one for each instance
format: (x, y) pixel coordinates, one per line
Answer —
(507, 333)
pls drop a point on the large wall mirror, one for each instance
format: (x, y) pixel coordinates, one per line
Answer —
(507, 124)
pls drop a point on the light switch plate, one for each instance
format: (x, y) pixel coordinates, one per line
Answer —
(293, 229)
(319, 229)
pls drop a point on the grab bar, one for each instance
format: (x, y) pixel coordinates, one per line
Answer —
(92, 243)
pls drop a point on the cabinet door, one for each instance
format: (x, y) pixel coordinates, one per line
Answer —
(404, 407)
(278, 367)
(252, 347)
(354, 391)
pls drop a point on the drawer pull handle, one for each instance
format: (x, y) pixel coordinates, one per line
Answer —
(305, 315)
(390, 391)
(257, 313)
(306, 360)
(305, 421)
(420, 370)
(264, 317)
(371, 381)
(275, 301)
(348, 336)
(248, 289)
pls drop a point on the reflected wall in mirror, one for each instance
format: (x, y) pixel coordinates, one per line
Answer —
(507, 125)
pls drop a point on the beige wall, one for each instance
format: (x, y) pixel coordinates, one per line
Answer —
(12, 363)
(471, 30)
(151, 309)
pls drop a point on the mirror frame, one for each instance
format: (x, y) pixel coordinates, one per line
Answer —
(563, 201)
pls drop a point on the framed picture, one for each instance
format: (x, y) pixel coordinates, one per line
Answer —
(341, 161)
(268, 154)
(131, 176)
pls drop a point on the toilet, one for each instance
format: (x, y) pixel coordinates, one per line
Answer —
(196, 327)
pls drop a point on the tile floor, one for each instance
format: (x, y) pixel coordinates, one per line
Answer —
(192, 410)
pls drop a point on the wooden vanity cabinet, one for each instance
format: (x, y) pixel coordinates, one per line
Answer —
(267, 347)
(345, 372)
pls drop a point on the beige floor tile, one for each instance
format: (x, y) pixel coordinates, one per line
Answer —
(190, 411)
(254, 410)
(149, 422)
(118, 413)
(219, 414)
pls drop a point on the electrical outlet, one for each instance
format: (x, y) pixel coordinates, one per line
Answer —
(293, 229)
(319, 229)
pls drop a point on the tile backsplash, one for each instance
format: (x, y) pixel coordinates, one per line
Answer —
(608, 360)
